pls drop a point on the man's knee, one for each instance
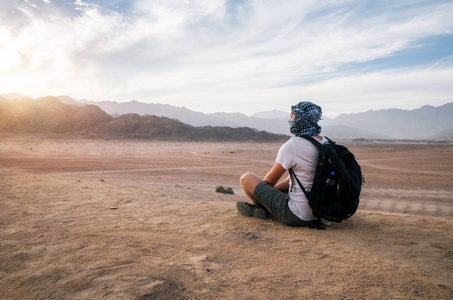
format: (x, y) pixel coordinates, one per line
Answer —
(246, 177)
(249, 181)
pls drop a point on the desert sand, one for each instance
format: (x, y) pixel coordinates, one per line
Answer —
(106, 219)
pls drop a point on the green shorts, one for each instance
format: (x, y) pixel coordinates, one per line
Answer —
(276, 203)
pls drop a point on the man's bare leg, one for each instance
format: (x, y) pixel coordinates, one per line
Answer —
(249, 181)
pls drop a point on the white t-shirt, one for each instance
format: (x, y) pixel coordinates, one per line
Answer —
(300, 155)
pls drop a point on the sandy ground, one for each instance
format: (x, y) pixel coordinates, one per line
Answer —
(141, 220)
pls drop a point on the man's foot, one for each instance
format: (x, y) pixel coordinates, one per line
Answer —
(249, 210)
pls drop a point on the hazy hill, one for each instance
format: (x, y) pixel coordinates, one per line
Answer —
(69, 100)
(444, 134)
(50, 117)
(343, 132)
(425, 122)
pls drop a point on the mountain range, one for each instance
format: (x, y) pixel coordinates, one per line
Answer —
(49, 117)
(426, 122)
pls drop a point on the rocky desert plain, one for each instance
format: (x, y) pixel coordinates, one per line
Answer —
(140, 219)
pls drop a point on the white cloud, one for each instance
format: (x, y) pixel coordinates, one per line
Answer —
(245, 55)
(80, 5)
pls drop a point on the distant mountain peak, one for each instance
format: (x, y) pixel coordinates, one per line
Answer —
(427, 107)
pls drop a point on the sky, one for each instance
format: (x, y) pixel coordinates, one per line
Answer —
(231, 55)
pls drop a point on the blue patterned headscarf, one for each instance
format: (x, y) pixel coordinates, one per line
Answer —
(306, 120)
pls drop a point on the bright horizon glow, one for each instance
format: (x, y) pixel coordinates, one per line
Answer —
(233, 56)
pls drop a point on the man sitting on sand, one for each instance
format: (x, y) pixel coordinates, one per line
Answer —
(285, 201)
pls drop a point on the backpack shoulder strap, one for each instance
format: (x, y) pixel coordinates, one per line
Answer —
(293, 176)
(315, 141)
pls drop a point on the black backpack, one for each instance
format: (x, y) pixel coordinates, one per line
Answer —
(335, 192)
